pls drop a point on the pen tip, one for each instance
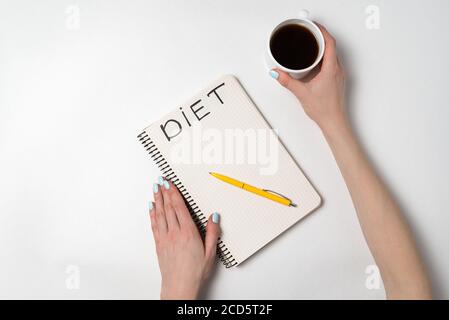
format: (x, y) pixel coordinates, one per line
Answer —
(293, 205)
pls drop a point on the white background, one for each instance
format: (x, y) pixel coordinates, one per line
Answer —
(75, 183)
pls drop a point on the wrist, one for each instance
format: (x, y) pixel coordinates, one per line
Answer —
(335, 126)
(339, 135)
(178, 293)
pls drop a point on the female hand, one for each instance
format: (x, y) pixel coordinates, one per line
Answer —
(322, 95)
(386, 232)
(184, 260)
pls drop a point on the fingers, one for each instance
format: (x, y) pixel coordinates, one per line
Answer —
(167, 190)
(295, 86)
(170, 211)
(182, 213)
(161, 221)
(212, 234)
(330, 53)
(153, 220)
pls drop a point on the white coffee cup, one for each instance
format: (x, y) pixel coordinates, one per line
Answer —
(303, 20)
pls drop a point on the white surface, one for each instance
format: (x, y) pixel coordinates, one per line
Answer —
(74, 182)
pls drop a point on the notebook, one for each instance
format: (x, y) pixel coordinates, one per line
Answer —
(221, 130)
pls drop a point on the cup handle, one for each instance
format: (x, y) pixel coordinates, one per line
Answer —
(304, 14)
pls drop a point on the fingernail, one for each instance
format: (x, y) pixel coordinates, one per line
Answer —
(160, 180)
(215, 218)
(150, 205)
(155, 187)
(274, 74)
(166, 185)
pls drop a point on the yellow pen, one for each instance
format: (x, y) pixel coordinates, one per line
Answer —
(274, 196)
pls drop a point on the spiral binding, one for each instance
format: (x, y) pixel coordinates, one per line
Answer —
(198, 217)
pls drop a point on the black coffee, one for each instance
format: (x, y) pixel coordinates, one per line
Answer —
(294, 47)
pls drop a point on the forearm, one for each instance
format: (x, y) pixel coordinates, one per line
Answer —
(385, 230)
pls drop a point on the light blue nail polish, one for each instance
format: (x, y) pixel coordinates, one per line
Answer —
(155, 187)
(274, 74)
(215, 218)
(166, 185)
(160, 180)
(150, 205)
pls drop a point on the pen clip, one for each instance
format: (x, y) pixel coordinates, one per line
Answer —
(282, 196)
